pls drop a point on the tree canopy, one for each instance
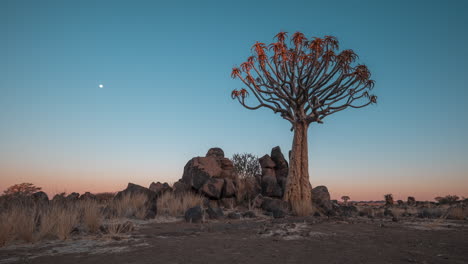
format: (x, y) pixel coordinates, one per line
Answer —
(306, 81)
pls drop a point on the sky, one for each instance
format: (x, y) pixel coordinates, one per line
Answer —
(165, 67)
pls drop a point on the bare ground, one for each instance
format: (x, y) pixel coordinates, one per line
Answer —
(289, 240)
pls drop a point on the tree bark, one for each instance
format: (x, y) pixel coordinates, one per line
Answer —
(298, 188)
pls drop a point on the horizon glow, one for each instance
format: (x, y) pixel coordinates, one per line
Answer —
(168, 68)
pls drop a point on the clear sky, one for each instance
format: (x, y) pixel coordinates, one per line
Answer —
(165, 67)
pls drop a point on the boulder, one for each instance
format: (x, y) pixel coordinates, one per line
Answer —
(321, 199)
(88, 196)
(213, 188)
(160, 188)
(249, 214)
(229, 189)
(266, 162)
(268, 172)
(151, 201)
(282, 182)
(234, 215)
(271, 204)
(282, 172)
(278, 158)
(40, 197)
(215, 152)
(214, 212)
(270, 187)
(194, 215)
(180, 187)
(59, 198)
(73, 196)
(198, 170)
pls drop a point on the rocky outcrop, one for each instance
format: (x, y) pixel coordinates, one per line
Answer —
(73, 196)
(194, 214)
(212, 175)
(270, 187)
(160, 188)
(180, 187)
(274, 173)
(151, 198)
(88, 196)
(40, 197)
(213, 188)
(274, 207)
(321, 199)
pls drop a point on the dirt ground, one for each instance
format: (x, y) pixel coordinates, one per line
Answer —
(288, 240)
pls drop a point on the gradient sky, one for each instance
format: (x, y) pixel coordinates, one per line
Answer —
(165, 67)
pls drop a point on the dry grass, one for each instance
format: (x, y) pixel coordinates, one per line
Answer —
(28, 222)
(171, 204)
(457, 213)
(130, 206)
(91, 215)
(66, 220)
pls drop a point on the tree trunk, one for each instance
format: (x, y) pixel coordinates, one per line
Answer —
(298, 188)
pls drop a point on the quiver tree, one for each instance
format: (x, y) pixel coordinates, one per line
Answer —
(304, 82)
(345, 199)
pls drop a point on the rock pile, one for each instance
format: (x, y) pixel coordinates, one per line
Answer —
(212, 175)
(274, 173)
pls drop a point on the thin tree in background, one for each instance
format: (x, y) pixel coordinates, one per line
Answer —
(23, 189)
(246, 165)
(304, 83)
(345, 199)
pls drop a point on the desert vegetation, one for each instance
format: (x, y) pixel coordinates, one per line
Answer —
(29, 217)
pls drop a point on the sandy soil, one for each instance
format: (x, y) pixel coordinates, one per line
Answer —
(289, 240)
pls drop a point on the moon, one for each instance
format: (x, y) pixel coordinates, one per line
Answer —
(101, 86)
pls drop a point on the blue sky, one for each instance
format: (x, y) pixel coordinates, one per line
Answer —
(165, 67)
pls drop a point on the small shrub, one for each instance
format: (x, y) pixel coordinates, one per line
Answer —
(448, 199)
(246, 165)
(388, 199)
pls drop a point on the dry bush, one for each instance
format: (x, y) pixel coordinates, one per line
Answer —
(173, 204)
(247, 190)
(130, 206)
(91, 216)
(457, 213)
